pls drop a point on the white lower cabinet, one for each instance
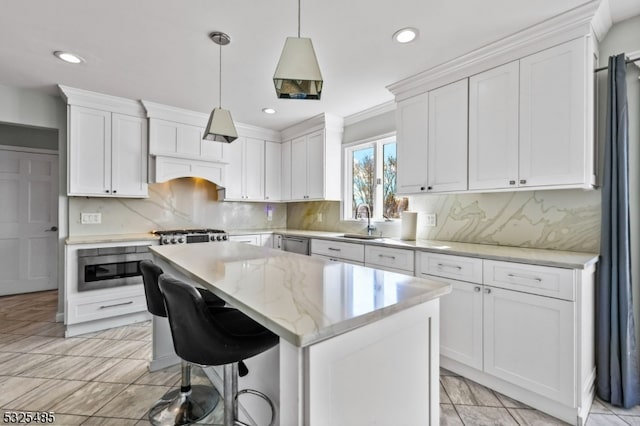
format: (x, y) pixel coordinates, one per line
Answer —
(461, 333)
(529, 341)
(389, 259)
(523, 330)
(253, 239)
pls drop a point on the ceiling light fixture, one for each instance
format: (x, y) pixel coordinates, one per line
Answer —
(70, 58)
(405, 35)
(220, 127)
(298, 75)
(268, 110)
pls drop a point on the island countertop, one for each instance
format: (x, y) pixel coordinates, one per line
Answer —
(303, 300)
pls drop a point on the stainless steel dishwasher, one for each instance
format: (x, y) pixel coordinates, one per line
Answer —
(295, 244)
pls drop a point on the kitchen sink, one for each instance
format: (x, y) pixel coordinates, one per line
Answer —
(361, 236)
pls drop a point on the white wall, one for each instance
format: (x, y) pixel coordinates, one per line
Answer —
(624, 37)
(32, 108)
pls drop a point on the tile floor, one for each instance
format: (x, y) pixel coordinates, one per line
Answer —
(102, 378)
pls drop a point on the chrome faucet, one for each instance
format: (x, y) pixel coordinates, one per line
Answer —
(370, 228)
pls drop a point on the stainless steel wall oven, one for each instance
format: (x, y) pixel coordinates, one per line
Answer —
(110, 266)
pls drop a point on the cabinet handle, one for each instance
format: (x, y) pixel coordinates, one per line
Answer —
(114, 191)
(523, 181)
(525, 277)
(333, 249)
(512, 182)
(422, 188)
(476, 289)
(266, 198)
(429, 188)
(386, 255)
(487, 290)
(445, 265)
(106, 190)
(333, 259)
(116, 304)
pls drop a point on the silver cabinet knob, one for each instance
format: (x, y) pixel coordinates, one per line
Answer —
(512, 182)
(487, 290)
(476, 289)
(523, 181)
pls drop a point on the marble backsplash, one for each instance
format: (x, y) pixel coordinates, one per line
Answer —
(179, 203)
(553, 219)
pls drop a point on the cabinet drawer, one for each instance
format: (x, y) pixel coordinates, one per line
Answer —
(448, 266)
(389, 258)
(247, 239)
(336, 249)
(336, 259)
(99, 307)
(541, 280)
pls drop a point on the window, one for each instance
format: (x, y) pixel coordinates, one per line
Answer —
(371, 180)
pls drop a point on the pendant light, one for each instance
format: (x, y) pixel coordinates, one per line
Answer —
(298, 74)
(220, 127)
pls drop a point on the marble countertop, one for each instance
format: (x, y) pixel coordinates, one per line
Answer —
(115, 238)
(557, 258)
(302, 299)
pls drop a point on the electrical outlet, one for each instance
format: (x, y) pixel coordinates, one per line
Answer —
(90, 218)
(430, 219)
(269, 214)
(319, 217)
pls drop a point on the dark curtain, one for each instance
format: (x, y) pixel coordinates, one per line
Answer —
(618, 372)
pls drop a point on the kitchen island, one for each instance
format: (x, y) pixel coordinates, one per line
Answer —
(358, 346)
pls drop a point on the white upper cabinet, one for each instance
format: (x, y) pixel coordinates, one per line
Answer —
(315, 160)
(529, 121)
(553, 111)
(447, 142)
(107, 153)
(493, 128)
(169, 138)
(245, 169)
(412, 134)
(273, 171)
(285, 194)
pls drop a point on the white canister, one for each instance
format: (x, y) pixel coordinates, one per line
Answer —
(409, 225)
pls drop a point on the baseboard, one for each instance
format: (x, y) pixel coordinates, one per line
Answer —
(104, 324)
(161, 363)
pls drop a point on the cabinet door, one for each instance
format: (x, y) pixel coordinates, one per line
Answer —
(299, 169)
(553, 116)
(315, 165)
(232, 155)
(253, 169)
(272, 171)
(286, 171)
(461, 323)
(447, 142)
(128, 156)
(493, 128)
(89, 151)
(529, 341)
(412, 133)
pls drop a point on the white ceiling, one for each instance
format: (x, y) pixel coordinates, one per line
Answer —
(159, 50)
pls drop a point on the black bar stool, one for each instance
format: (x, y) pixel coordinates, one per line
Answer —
(215, 336)
(189, 403)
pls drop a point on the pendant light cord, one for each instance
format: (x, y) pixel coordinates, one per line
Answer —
(220, 79)
(298, 18)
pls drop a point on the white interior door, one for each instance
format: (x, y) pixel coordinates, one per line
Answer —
(28, 221)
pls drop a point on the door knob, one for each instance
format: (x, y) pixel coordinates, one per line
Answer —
(52, 229)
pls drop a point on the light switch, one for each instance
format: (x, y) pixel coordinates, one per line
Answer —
(430, 219)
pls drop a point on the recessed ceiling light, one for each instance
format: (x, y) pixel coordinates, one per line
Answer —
(405, 35)
(68, 57)
(268, 110)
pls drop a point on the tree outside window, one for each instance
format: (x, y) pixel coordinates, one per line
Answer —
(371, 172)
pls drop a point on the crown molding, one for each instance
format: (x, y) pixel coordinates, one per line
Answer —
(570, 25)
(322, 121)
(602, 21)
(370, 113)
(85, 98)
(199, 119)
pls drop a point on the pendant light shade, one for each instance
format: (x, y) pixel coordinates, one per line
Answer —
(220, 127)
(298, 74)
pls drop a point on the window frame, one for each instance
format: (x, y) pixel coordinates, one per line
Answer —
(377, 142)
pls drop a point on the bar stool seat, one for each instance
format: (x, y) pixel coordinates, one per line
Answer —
(214, 336)
(189, 403)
